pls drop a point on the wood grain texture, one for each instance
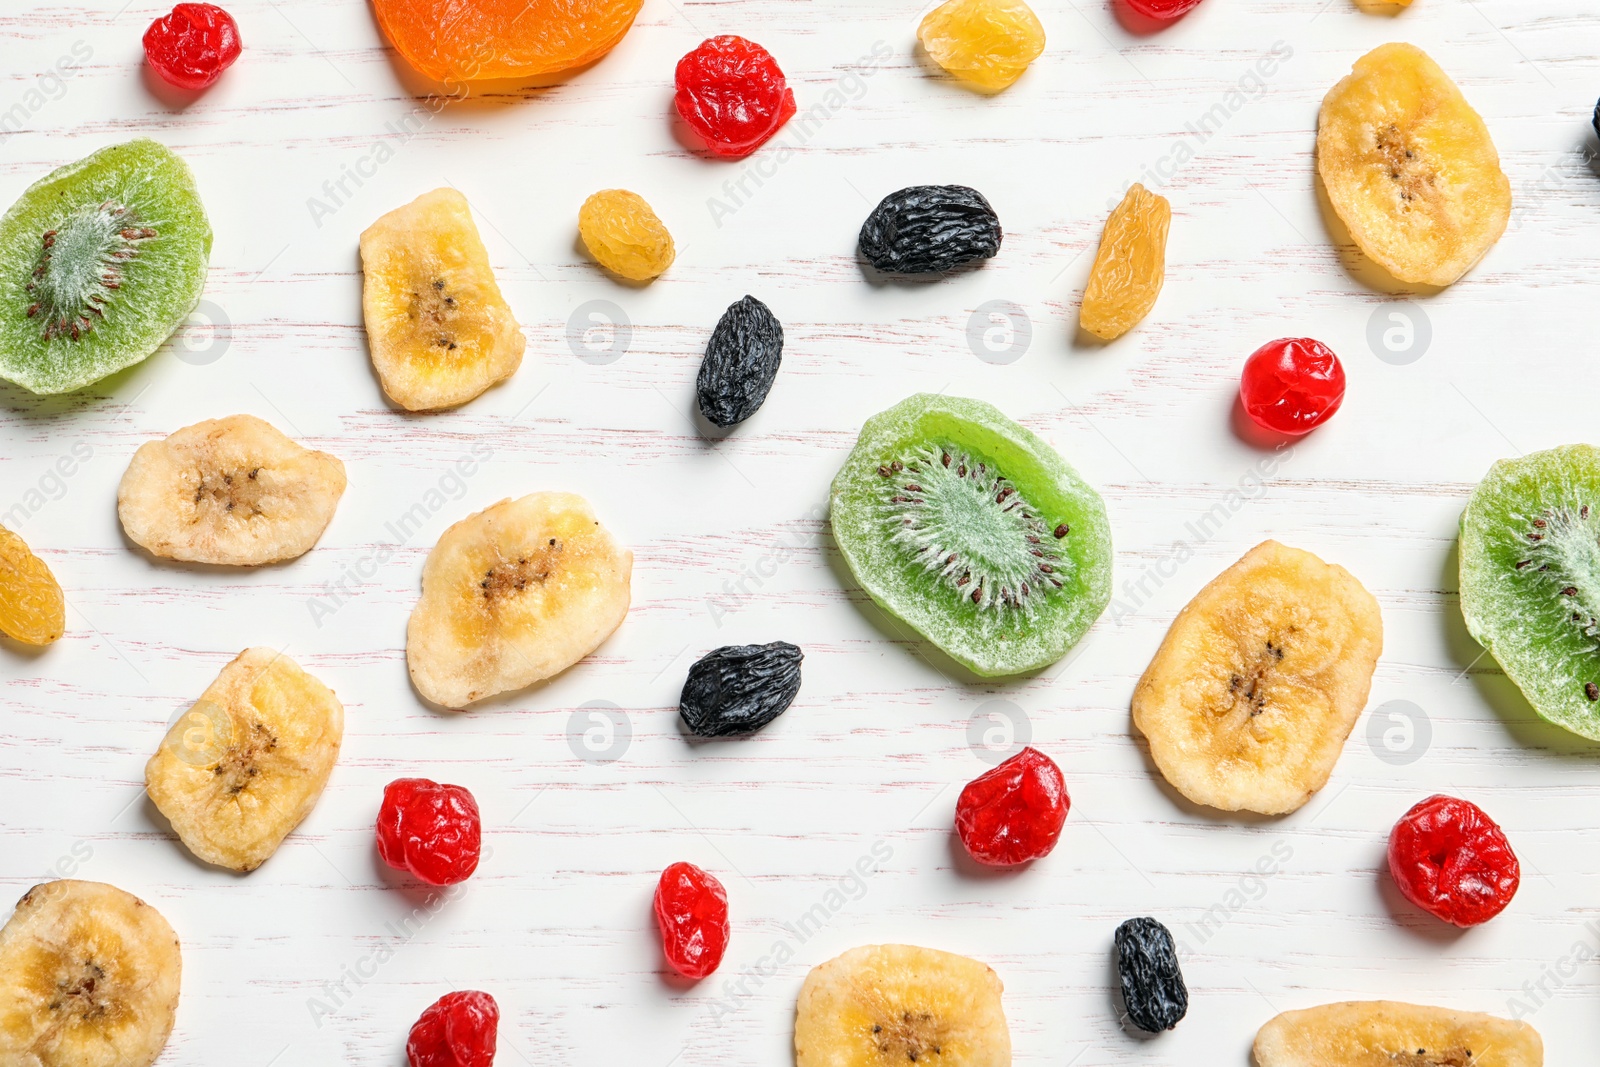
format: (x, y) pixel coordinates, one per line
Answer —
(281, 966)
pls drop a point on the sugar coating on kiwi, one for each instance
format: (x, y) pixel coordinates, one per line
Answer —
(100, 261)
(975, 532)
(1530, 579)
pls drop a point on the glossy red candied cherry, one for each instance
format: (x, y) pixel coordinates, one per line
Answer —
(433, 831)
(457, 1030)
(732, 93)
(1291, 386)
(1165, 10)
(1451, 860)
(692, 910)
(1014, 813)
(193, 45)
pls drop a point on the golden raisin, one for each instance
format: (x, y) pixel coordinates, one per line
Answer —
(624, 235)
(32, 609)
(1130, 266)
(987, 43)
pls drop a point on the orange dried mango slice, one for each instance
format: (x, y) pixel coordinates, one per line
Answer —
(1130, 267)
(1410, 168)
(475, 40)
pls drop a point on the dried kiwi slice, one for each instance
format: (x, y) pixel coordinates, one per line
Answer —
(974, 531)
(1530, 579)
(100, 261)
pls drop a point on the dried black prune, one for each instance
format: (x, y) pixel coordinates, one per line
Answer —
(1152, 985)
(738, 689)
(741, 361)
(929, 229)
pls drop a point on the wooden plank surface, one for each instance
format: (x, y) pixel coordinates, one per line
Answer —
(320, 957)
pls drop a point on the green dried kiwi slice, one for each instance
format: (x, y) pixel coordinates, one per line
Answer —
(1530, 579)
(972, 530)
(100, 261)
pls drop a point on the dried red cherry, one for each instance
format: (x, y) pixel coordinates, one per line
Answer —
(1451, 860)
(1165, 10)
(432, 830)
(193, 45)
(692, 910)
(457, 1030)
(732, 93)
(1014, 813)
(1291, 386)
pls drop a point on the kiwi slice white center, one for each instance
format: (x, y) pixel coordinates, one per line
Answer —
(80, 266)
(1563, 564)
(967, 524)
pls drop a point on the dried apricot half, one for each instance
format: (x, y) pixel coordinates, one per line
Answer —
(451, 41)
(1409, 167)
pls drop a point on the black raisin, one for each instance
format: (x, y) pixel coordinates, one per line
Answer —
(738, 689)
(929, 229)
(1152, 985)
(741, 361)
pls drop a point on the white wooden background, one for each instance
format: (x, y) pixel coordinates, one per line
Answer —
(730, 548)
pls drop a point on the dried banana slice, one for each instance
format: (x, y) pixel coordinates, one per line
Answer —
(246, 764)
(1409, 167)
(1385, 1033)
(229, 491)
(1258, 683)
(89, 977)
(439, 330)
(890, 1005)
(513, 595)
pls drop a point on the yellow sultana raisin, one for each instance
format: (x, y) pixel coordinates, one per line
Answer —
(32, 609)
(624, 235)
(987, 43)
(1130, 266)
